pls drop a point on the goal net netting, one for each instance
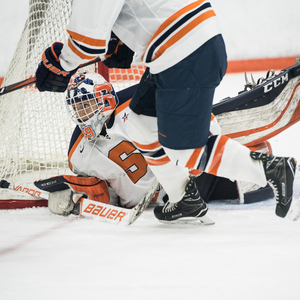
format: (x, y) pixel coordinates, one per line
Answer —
(35, 127)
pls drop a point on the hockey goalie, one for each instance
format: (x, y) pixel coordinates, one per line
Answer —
(109, 167)
(100, 146)
(102, 154)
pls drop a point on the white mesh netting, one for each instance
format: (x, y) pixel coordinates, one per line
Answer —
(35, 127)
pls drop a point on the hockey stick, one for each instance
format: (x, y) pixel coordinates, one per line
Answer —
(115, 214)
(21, 84)
(95, 209)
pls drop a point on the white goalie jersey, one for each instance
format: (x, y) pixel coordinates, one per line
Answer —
(113, 157)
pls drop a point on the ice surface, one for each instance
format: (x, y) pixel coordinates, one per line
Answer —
(248, 254)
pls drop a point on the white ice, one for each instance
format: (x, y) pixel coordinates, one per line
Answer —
(249, 254)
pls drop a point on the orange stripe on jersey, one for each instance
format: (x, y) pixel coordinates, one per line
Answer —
(175, 16)
(218, 153)
(157, 162)
(189, 27)
(148, 147)
(122, 106)
(193, 159)
(75, 145)
(195, 172)
(212, 117)
(78, 52)
(86, 40)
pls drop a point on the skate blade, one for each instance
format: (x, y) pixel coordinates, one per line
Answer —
(205, 220)
(294, 211)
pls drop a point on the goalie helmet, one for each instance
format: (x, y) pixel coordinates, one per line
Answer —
(90, 101)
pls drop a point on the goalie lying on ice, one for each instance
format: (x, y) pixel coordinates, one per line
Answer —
(101, 148)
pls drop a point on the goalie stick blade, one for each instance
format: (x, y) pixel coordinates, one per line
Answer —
(294, 211)
(114, 214)
(101, 211)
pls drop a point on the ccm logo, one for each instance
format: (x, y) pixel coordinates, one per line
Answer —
(277, 82)
(103, 212)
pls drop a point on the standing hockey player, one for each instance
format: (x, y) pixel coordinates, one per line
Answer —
(181, 44)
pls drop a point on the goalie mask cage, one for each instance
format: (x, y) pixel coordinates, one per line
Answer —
(35, 127)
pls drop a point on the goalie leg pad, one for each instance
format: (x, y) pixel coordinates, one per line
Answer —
(264, 111)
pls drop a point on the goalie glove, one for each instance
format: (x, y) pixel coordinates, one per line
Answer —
(66, 190)
(50, 76)
(118, 55)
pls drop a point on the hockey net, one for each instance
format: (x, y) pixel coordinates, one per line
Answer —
(36, 128)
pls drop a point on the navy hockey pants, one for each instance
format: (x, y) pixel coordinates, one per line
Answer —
(181, 97)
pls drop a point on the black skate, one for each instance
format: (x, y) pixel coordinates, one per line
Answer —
(280, 174)
(190, 208)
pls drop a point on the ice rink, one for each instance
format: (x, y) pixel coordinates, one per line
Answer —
(248, 254)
